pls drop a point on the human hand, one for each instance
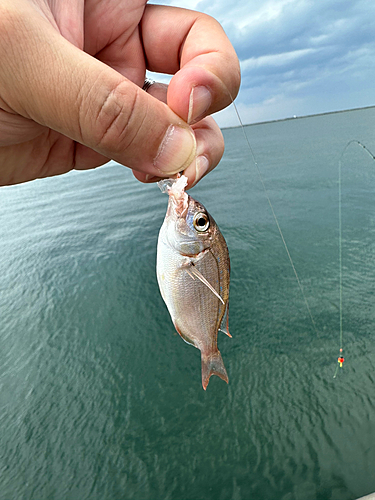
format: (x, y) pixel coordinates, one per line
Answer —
(70, 88)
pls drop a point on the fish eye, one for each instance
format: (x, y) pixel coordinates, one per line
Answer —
(201, 222)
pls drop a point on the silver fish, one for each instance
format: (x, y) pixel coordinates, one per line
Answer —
(193, 274)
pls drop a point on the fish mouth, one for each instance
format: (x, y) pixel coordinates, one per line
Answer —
(180, 203)
(178, 199)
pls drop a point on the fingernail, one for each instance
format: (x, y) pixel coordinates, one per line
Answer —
(151, 178)
(199, 102)
(201, 167)
(176, 151)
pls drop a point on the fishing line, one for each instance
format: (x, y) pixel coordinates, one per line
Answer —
(340, 359)
(276, 219)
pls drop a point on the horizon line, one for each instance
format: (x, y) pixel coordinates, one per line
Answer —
(295, 117)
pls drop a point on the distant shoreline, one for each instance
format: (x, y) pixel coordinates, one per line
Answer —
(297, 117)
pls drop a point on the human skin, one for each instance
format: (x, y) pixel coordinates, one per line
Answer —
(71, 76)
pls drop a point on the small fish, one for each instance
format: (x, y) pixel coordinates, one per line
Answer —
(193, 274)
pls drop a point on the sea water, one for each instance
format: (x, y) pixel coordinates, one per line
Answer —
(101, 399)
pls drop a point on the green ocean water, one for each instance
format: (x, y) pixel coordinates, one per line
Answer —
(100, 399)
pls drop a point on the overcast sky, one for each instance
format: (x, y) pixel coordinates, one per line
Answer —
(298, 57)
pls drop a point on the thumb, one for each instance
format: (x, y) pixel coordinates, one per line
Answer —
(47, 79)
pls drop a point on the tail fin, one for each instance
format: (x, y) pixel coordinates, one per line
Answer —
(212, 364)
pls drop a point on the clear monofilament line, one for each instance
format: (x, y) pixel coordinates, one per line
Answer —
(359, 143)
(276, 221)
(340, 264)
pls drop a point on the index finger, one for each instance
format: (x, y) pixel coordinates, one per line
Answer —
(195, 49)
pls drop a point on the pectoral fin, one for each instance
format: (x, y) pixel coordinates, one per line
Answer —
(194, 273)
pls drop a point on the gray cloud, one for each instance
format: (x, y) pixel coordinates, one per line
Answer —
(299, 56)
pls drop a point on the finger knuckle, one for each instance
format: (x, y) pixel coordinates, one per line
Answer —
(118, 120)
